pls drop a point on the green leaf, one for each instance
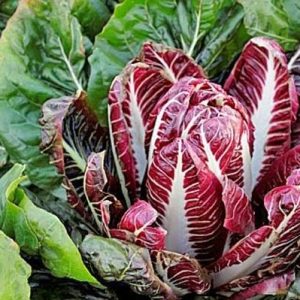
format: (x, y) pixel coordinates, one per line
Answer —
(292, 9)
(92, 15)
(223, 44)
(15, 172)
(42, 56)
(14, 271)
(38, 232)
(7, 8)
(268, 18)
(116, 260)
(181, 24)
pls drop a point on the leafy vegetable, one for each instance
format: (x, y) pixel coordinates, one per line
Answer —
(281, 168)
(7, 8)
(260, 81)
(270, 249)
(188, 166)
(136, 226)
(42, 45)
(277, 24)
(77, 145)
(132, 97)
(183, 25)
(14, 271)
(92, 15)
(39, 232)
(117, 260)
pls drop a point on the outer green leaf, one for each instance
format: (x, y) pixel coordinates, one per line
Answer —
(7, 8)
(268, 18)
(41, 57)
(15, 172)
(224, 43)
(14, 272)
(181, 24)
(292, 8)
(41, 233)
(116, 260)
(92, 15)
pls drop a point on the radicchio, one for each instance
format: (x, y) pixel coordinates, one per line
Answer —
(261, 82)
(132, 96)
(79, 148)
(195, 134)
(281, 168)
(136, 227)
(268, 250)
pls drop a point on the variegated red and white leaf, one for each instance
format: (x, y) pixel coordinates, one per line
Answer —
(139, 216)
(187, 197)
(239, 216)
(294, 70)
(251, 286)
(136, 227)
(100, 202)
(271, 249)
(182, 273)
(260, 81)
(202, 113)
(70, 133)
(131, 99)
(281, 168)
(294, 178)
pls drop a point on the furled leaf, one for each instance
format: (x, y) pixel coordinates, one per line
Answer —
(70, 135)
(39, 232)
(115, 260)
(202, 113)
(180, 24)
(268, 18)
(197, 128)
(267, 251)
(132, 97)
(14, 271)
(260, 81)
(101, 203)
(43, 47)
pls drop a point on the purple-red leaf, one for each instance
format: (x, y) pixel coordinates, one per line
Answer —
(140, 215)
(250, 286)
(239, 217)
(182, 273)
(70, 134)
(202, 113)
(132, 96)
(294, 178)
(136, 227)
(269, 250)
(187, 197)
(261, 82)
(281, 168)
